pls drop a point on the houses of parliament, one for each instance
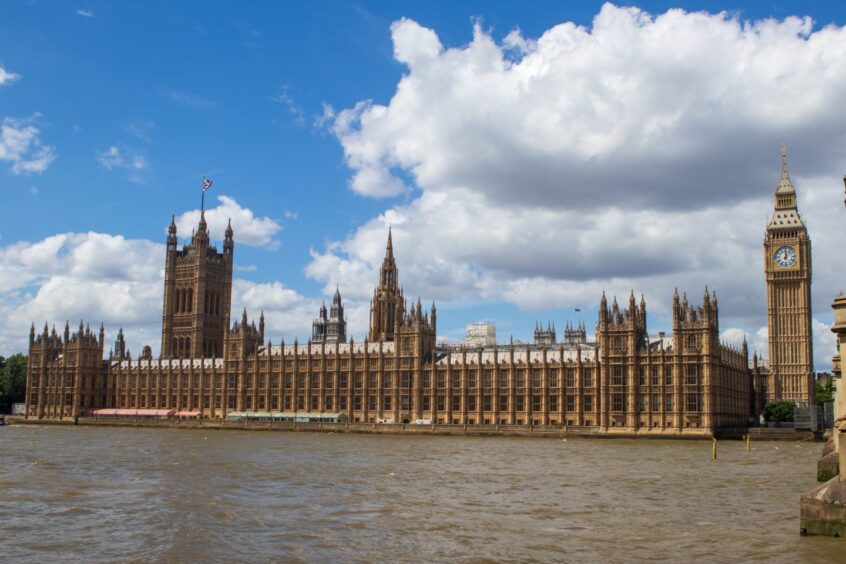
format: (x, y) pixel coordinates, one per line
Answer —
(626, 380)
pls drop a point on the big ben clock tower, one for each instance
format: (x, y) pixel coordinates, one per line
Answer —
(787, 261)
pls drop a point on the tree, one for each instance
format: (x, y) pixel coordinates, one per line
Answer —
(825, 394)
(779, 411)
(12, 381)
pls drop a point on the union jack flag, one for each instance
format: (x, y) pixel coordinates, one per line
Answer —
(207, 183)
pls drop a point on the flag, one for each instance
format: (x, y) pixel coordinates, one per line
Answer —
(207, 183)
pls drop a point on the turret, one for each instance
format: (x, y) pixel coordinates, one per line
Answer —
(229, 240)
(171, 234)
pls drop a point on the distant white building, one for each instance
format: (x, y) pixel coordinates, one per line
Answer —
(480, 334)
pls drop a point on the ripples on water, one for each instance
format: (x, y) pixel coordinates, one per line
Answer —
(104, 494)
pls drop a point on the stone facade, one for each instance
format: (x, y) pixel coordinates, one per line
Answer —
(625, 381)
(787, 262)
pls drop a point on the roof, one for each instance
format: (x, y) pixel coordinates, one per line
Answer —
(329, 348)
(170, 362)
(534, 356)
(785, 218)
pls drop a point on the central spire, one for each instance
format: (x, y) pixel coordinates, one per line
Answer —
(785, 185)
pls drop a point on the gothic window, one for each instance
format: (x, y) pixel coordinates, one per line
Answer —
(668, 376)
(668, 402)
(617, 402)
(553, 403)
(372, 381)
(553, 378)
(521, 403)
(642, 376)
(471, 403)
(487, 403)
(388, 382)
(488, 378)
(587, 378)
(536, 403)
(471, 379)
(456, 403)
(693, 402)
(503, 379)
(571, 403)
(692, 376)
(571, 377)
(427, 379)
(405, 380)
(618, 343)
(503, 403)
(456, 380)
(641, 403)
(536, 378)
(588, 403)
(656, 376)
(617, 376)
(357, 384)
(441, 403)
(387, 402)
(426, 403)
(521, 379)
(656, 402)
(405, 403)
(371, 403)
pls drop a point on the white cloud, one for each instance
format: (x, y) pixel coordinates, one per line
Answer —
(641, 152)
(85, 13)
(113, 157)
(249, 230)
(7, 77)
(20, 145)
(191, 100)
(285, 99)
(106, 278)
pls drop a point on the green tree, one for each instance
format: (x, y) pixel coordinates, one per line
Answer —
(825, 394)
(12, 381)
(779, 411)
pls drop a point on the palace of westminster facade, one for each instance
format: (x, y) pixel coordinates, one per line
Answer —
(624, 381)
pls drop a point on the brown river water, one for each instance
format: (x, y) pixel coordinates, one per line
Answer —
(151, 495)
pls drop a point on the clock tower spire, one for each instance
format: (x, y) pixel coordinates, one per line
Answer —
(787, 264)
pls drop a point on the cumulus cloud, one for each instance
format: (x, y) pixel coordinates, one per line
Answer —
(20, 145)
(7, 77)
(106, 278)
(639, 152)
(71, 276)
(249, 229)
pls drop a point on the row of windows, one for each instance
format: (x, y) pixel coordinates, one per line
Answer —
(328, 380)
(618, 403)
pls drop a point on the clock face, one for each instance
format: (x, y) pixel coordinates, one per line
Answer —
(785, 256)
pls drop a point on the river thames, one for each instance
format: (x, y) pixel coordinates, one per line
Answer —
(120, 494)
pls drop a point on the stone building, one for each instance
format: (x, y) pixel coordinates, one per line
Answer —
(787, 264)
(625, 381)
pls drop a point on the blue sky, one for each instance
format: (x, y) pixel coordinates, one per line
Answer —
(127, 105)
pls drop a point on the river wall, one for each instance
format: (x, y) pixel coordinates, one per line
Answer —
(536, 431)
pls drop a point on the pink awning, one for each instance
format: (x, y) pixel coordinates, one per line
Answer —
(135, 412)
(187, 414)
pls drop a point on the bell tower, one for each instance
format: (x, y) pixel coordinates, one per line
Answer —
(787, 264)
(197, 294)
